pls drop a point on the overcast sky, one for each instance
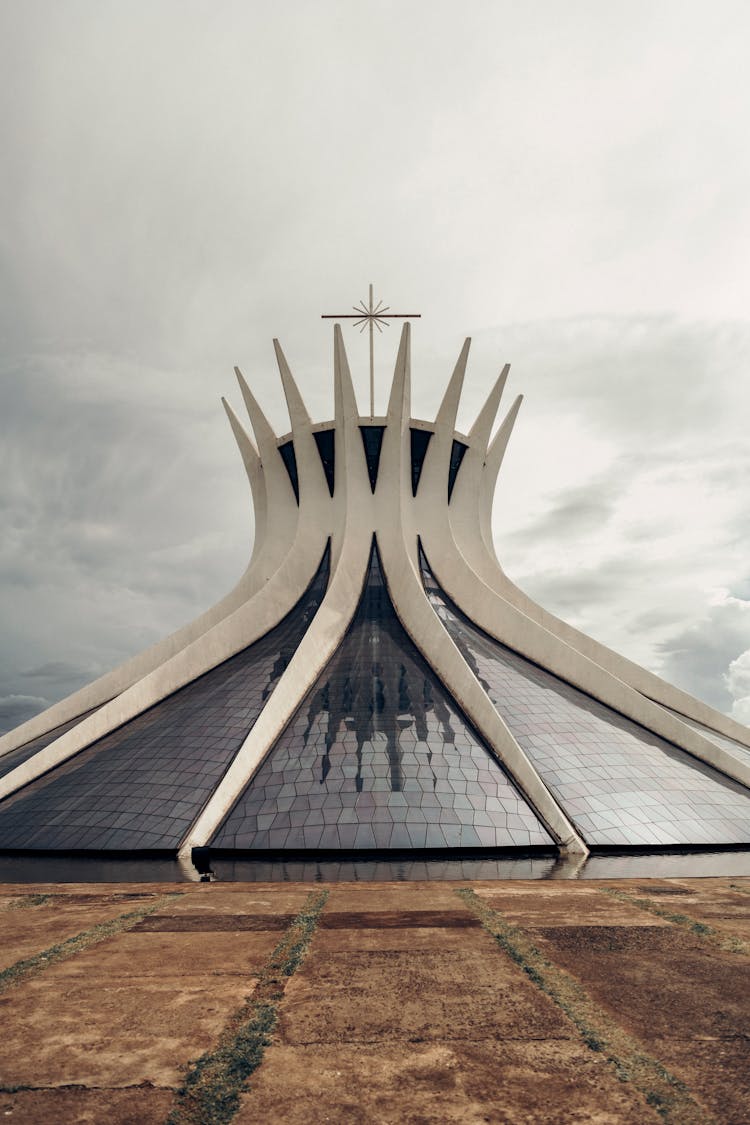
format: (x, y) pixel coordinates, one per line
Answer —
(568, 183)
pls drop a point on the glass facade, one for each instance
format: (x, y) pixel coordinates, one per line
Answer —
(372, 442)
(22, 754)
(379, 756)
(142, 786)
(620, 784)
(736, 749)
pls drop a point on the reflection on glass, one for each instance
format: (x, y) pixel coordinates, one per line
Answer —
(620, 784)
(141, 787)
(379, 756)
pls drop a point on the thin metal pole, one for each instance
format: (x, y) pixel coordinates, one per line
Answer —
(372, 363)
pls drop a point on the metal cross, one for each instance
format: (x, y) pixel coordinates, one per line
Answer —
(372, 315)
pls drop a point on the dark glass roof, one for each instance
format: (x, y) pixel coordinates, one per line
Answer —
(619, 783)
(379, 756)
(325, 441)
(736, 749)
(372, 442)
(458, 451)
(142, 786)
(419, 440)
(289, 457)
(22, 754)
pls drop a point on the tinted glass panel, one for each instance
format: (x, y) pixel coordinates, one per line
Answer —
(736, 749)
(143, 785)
(22, 754)
(372, 440)
(458, 449)
(619, 784)
(289, 457)
(420, 439)
(379, 756)
(324, 440)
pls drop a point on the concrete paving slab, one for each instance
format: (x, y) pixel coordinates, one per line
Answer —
(428, 1021)
(561, 909)
(725, 909)
(209, 922)
(26, 932)
(408, 937)
(656, 980)
(174, 955)
(468, 1082)
(216, 899)
(666, 986)
(717, 1070)
(381, 996)
(393, 896)
(78, 1106)
(460, 919)
(109, 1031)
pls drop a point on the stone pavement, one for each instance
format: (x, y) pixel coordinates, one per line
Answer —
(618, 1001)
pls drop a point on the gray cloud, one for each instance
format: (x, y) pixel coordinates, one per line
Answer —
(55, 670)
(16, 709)
(692, 656)
(181, 183)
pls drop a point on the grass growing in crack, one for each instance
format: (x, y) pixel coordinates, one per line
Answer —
(730, 943)
(211, 1092)
(25, 901)
(667, 1095)
(31, 966)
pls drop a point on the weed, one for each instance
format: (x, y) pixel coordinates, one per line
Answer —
(730, 943)
(24, 901)
(31, 966)
(668, 1096)
(210, 1094)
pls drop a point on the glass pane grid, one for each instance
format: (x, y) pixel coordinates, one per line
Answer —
(379, 756)
(619, 783)
(142, 786)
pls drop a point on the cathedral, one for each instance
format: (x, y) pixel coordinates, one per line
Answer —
(374, 684)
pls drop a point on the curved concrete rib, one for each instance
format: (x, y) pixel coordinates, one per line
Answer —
(508, 625)
(270, 547)
(397, 539)
(254, 471)
(280, 583)
(291, 534)
(479, 552)
(268, 553)
(231, 635)
(492, 464)
(470, 515)
(479, 434)
(316, 648)
(436, 468)
(310, 472)
(433, 641)
(280, 496)
(350, 556)
(640, 679)
(279, 592)
(445, 419)
(464, 506)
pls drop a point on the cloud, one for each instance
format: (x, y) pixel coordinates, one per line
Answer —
(55, 670)
(738, 685)
(718, 642)
(124, 512)
(180, 187)
(16, 709)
